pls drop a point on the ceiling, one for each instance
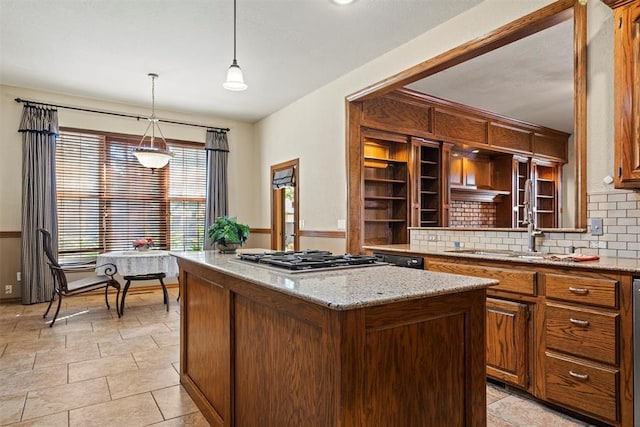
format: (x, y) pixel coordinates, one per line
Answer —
(526, 80)
(104, 49)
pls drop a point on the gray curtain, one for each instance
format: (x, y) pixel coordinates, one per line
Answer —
(217, 147)
(39, 127)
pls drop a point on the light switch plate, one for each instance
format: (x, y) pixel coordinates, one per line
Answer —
(596, 227)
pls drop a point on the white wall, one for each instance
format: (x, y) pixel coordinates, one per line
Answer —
(243, 163)
(313, 128)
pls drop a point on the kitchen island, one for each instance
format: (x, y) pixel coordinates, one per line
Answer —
(369, 346)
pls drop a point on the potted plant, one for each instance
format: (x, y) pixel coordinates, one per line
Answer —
(228, 234)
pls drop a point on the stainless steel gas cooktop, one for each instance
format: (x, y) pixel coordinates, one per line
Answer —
(309, 260)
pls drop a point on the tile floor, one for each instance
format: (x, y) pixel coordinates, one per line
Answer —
(93, 369)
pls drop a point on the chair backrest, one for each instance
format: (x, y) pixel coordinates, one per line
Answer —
(59, 278)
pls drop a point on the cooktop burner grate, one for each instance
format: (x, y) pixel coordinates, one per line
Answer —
(308, 259)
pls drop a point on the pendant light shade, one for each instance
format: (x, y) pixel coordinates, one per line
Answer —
(152, 152)
(235, 79)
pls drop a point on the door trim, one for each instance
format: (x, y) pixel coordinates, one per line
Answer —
(295, 163)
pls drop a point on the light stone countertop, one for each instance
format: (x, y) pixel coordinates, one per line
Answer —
(630, 265)
(342, 289)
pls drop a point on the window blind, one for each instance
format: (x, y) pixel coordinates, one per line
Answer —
(106, 199)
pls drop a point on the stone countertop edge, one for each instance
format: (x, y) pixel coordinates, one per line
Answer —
(343, 289)
(630, 265)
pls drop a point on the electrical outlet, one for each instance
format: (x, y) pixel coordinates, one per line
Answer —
(596, 227)
(19, 276)
(432, 238)
(342, 224)
(8, 289)
(595, 244)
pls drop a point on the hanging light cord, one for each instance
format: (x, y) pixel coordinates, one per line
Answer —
(234, 31)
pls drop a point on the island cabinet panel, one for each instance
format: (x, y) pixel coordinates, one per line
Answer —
(277, 356)
(206, 327)
(255, 356)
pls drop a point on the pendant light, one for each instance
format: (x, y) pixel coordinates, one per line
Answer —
(235, 80)
(151, 154)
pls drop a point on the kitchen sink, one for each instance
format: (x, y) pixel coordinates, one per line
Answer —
(501, 253)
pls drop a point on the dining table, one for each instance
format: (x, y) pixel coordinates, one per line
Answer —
(137, 265)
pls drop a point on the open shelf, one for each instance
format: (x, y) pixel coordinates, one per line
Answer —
(386, 190)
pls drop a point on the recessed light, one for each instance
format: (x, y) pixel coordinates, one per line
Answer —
(342, 2)
(475, 151)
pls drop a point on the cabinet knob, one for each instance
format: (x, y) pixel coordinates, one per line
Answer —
(579, 291)
(579, 322)
(579, 376)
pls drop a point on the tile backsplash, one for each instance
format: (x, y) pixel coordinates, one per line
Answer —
(619, 210)
(472, 214)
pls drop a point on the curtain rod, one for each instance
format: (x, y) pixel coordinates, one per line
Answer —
(131, 116)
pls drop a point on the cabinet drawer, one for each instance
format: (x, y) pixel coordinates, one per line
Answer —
(584, 386)
(511, 280)
(582, 332)
(583, 290)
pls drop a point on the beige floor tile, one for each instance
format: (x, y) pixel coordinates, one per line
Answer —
(159, 317)
(22, 382)
(174, 402)
(191, 420)
(522, 412)
(116, 323)
(494, 421)
(494, 393)
(66, 355)
(170, 338)
(112, 365)
(80, 339)
(61, 419)
(126, 346)
(35, 345)
(142, 381)
(11, 408)
(7, 336)
(17, 362)
(74, 325)
(8, 325)
(65, 397)
(139, 331)
(158, 358)
(138, 410)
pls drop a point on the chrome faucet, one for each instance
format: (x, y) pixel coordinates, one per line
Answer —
(529, 219)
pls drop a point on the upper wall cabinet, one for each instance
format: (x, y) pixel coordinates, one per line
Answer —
(627, 92)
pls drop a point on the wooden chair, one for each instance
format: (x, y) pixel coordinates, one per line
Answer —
(62, 287)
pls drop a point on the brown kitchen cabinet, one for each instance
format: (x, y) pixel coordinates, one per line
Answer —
(507, 341)
(626, 92)
(385, 167)
(582, 360)
(561, 333)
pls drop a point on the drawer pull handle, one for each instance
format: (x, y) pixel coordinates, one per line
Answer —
(579, 376)
(579, 291)
(579, 322)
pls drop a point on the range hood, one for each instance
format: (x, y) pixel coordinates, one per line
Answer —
(475, 194)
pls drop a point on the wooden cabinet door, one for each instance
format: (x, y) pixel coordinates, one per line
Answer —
(627, 94)
(507, 341)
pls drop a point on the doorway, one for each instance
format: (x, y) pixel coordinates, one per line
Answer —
(284, 206)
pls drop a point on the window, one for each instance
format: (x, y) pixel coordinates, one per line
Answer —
(106, 200)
